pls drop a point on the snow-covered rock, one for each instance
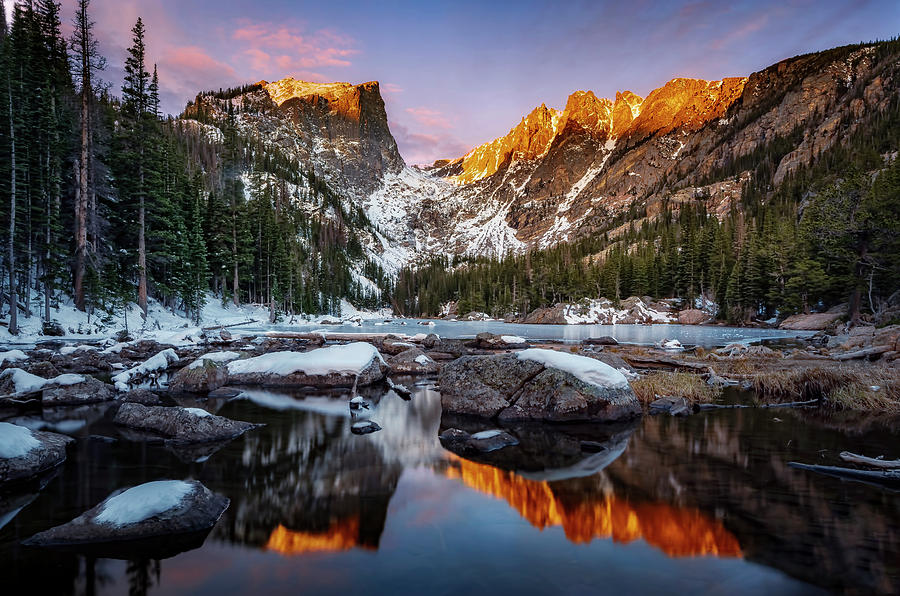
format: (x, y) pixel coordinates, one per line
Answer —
(25, 453)
(157, 363)
(87, 391)
(537, 384)
(12, 356)
(15, 381)
(332, 366)
(205, 374)
(485, 441)
(161, 508)
(413, 362)
(364, 427)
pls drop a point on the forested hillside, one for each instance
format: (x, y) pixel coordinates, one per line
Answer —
(827, 234)
(107, 202)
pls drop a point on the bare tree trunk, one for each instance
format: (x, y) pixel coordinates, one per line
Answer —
(234, 296)
(142, 256)
(13, 298)
(81, 197)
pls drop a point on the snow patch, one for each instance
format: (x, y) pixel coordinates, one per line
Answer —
(350, 358)
(12, 356)
(198, 412)
(214, 357)
(16, 441)
(583, 368)
(142, 502)
(155, 363)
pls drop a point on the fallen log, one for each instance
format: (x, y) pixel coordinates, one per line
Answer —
(879, 477)
(214, 327)
(864, 353)
(319, 335)
(872, 462)
(790, 404)
(663, 363)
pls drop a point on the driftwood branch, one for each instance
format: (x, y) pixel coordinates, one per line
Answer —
(879, 477)
(871, 462)
(864, 353)
(790, 404)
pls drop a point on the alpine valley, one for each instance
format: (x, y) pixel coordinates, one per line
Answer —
(588, 177)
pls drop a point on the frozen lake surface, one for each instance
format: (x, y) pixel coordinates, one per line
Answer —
(706, 336)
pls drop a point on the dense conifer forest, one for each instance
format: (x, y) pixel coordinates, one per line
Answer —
(110, 203)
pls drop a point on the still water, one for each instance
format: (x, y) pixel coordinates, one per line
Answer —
(701, 335)
(705, 504)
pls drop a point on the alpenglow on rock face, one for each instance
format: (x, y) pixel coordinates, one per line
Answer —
(537, 384)
(151, 510)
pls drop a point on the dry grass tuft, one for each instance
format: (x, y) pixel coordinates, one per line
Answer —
(872, 388)
(678, 384)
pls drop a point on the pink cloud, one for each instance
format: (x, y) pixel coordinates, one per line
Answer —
(741, 31)
(428, 117)
(425, 148)
(281, 49)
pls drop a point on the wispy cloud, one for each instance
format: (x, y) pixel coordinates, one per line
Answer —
(429, 118)
(275, 49)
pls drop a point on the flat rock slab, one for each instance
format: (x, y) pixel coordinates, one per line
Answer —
(180, 425)
(153, 510)
(49, 452)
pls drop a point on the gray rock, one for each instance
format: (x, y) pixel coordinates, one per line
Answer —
(405, 363)
(492, 341)
(676, 406)
(142, 396)
(510, 389)
(179, 425)
(604, 340)
(50, 453)
(207, 377)
(432, 341)
(364, 427)
(396, 346)
(88, 392)
(197, 511)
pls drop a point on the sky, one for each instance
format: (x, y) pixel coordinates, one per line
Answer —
(457, 74)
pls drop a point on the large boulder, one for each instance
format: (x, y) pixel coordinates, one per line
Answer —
(413, 362)
(25, 453)
(88, 391)
(811, 322)
(205, 374)
(537, 385)
(163, 508)
(693, 316)
(332, 366)
(180, 425)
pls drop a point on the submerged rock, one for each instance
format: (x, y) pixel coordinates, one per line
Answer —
(537, 385)
(25, 453)
(603, 340)
(156, 509)
(142, 396)
(332, 366)
(181, 425)
(485, 441)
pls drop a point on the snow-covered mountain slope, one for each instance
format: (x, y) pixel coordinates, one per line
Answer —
(560, 175)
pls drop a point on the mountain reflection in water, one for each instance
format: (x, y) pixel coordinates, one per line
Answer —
(678, 532)
(663, 504)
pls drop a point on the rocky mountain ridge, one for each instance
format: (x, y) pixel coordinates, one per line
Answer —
(560, 175)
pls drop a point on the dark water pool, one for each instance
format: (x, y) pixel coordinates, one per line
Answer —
(705, 504)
